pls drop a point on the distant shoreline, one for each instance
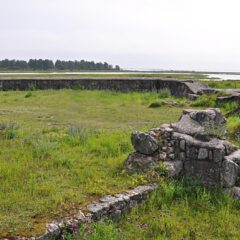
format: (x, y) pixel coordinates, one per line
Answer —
(124, 71)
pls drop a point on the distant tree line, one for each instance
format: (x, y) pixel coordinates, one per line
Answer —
(46, 64)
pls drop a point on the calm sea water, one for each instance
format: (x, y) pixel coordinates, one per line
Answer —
(225, 76)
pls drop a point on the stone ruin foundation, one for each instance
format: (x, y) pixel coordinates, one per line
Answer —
(195, 146)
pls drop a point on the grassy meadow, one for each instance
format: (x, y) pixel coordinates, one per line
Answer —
(62, 149)
(59, 75)
(178, 210)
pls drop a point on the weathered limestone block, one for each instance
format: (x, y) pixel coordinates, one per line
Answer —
(174, 168)
(217, 148)
(98, 210)
(205, 172)
(182, 145)
(170, 150)
(116, 216)
(182, 156)
(202, 124)
(235, 157)
(230, 172)
(203, 154)
(218, 155)
(234, 192)
(144, 143)
(138, 161)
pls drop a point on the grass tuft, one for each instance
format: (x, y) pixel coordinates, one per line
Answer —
(164, 93)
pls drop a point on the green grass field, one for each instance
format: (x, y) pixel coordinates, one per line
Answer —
(62, 149)
(177, 210)
(180, 76)
(224, 84)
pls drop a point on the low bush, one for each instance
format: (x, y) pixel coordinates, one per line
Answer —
(233, 124)
(156, 104)
(205, 101)
(230, 107)
(28, 95)
(9, 130)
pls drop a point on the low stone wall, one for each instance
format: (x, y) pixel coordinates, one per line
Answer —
(194, 146)
(141, 84)
(110, 206)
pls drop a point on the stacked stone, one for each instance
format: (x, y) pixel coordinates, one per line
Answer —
(157, 145)
(195, 146)
(110, 206)
(167, 143)
(114, 206)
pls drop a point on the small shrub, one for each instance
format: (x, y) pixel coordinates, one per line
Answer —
(164, 93)
(230, 107)
(155, 104)
(28, 94)
(205, 101)
(9, 131)
(234, 126)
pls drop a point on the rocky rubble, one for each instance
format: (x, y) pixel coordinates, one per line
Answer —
(114, 206)
(194, 146)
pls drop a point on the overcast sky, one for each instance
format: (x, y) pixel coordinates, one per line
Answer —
(157, 34)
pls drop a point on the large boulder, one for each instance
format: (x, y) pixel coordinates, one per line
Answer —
(235, 157)
(144, 143)
(201, 124)
(234, 192)
(230, 172)
(137, 161)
